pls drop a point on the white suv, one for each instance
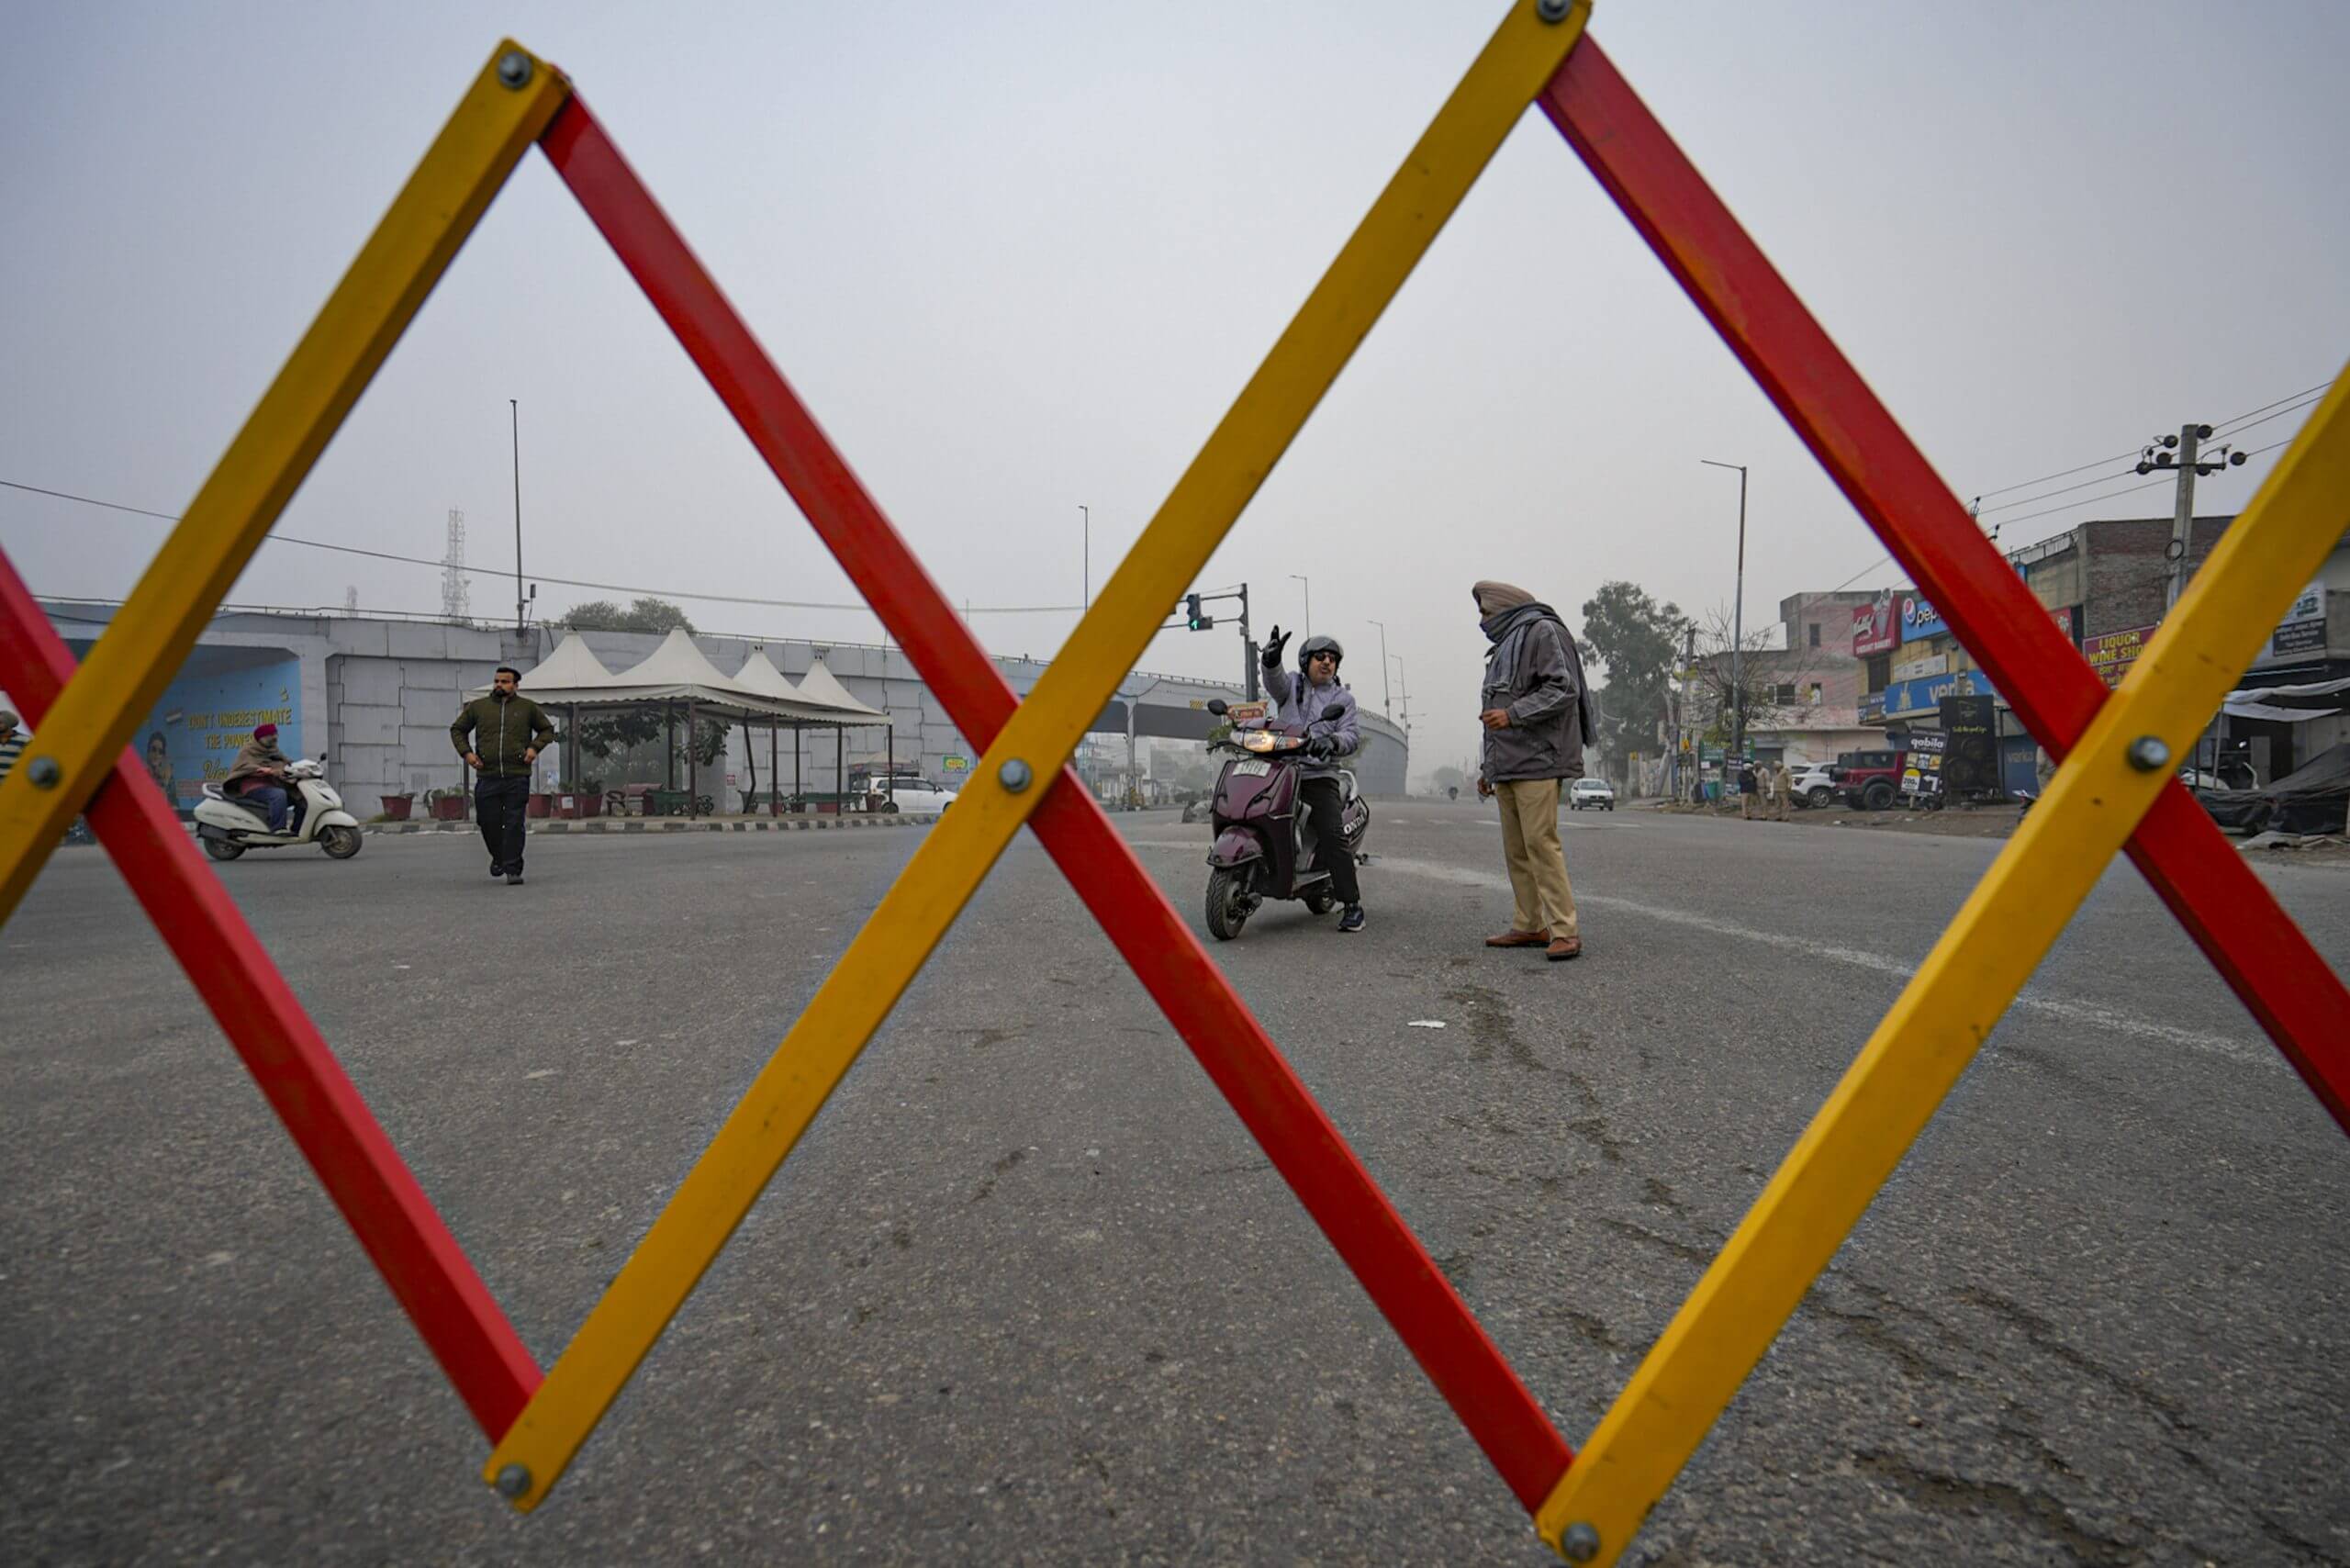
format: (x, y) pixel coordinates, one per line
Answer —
(1813, 787)
(1591, 793)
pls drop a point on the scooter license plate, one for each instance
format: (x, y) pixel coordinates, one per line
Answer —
(1251, 767)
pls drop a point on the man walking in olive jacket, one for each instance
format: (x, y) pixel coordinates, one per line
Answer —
(499, 736)
(1537, 714)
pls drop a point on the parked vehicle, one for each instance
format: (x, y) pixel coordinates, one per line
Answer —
(1814, 784)
(229, 825)
(1869, 779)
(1264, 839)
(904, 791)
(1596, 792)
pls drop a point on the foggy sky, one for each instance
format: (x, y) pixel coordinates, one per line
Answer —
(1021, 257)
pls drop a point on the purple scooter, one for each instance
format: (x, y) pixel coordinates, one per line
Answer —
(1264, 842)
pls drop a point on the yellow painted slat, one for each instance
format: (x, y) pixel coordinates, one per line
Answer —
(1949, 1007)
(128, 666)
(1492, 97)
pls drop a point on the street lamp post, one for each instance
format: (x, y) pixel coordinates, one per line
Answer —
(1737, 624)
(514, 414)
(1387, 701)
(1309, 604)
(1086, 512)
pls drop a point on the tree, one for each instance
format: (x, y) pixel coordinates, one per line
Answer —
(1636, 641)
(1763, 673)
(657, 616)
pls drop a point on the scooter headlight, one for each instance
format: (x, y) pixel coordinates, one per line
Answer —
(1257, 740)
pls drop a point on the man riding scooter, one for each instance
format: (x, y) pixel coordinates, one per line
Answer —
(1300, 700)
(258, 776)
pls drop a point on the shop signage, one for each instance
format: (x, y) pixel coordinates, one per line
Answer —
(2068, 621)
(2112, 655)
(1874, 630)
(1920, 618)
(956, 764)
(1970, 744)
(1922, 773)
(1872, 707)
(1926, 665)
(2303, 628)
(1905, 697)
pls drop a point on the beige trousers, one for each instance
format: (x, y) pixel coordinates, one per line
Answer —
(1537, 865)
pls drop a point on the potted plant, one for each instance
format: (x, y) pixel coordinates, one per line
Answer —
(397, 807)
(447, 804)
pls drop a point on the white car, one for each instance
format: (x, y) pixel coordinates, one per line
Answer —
(1813, 787)
(1591, 793)
(914, 793)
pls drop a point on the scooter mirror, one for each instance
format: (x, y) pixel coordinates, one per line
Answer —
(1216, 706)
(1334, 711)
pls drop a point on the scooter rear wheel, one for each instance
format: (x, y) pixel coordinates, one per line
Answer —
(1229, 904)
(221, 849)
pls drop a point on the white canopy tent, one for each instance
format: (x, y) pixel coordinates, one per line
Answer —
(677, 674)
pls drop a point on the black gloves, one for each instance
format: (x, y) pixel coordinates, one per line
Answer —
(1322, 745)
(1274, 643)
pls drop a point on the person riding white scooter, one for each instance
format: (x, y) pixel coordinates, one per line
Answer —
(269, 801)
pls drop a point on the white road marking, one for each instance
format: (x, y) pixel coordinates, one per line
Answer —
(2062, 1009)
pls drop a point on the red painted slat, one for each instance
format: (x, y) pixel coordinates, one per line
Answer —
(395, 1223)
(1238, 1056)
(2265, 957)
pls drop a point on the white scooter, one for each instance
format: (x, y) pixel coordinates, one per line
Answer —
(229, 825)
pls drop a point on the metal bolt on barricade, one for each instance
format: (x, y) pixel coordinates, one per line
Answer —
(1014, 775)
(1553, 10)
(514, 68)
(1579, 1543)
(44, 772)
(514, 1482)
(2147, 753)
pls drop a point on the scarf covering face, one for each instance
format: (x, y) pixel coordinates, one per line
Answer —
(1492, 598)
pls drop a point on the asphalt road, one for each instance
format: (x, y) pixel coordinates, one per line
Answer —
(1029, 1294)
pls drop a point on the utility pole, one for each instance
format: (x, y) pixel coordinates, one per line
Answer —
(514, 413)
(1688, 672)
(1387, 703)
(1086, 512)
(1407, 699)
(2181, 451)
(1309, 605)
(1736, 623)
(1247, 649)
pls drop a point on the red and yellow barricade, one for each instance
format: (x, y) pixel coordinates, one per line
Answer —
(2114, 790)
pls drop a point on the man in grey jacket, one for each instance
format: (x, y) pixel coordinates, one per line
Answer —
(1302, 700)
(1538, 718)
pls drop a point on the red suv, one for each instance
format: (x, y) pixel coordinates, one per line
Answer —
(1869, 779)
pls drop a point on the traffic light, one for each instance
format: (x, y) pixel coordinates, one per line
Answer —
(1198, 621)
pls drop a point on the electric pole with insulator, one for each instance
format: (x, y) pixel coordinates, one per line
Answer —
(2183, 452)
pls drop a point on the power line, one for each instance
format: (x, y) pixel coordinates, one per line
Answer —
(2085, 483)
(2089, 501)
(2266, 406)
(560, 582)
(2280, 414)
(2061, 473)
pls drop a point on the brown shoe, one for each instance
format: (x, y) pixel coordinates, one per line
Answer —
(1565, 948)
(1519, 939)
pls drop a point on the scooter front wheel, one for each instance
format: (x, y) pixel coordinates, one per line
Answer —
(340, 843)
(222, 849)
(1229, 904)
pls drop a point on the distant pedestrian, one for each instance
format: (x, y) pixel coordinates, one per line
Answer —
(12, 743)
(1538, 718)
(1783, 793)
(499, 736)
(1746, 789)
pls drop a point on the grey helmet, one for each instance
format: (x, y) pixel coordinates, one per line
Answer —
(1314, 645)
